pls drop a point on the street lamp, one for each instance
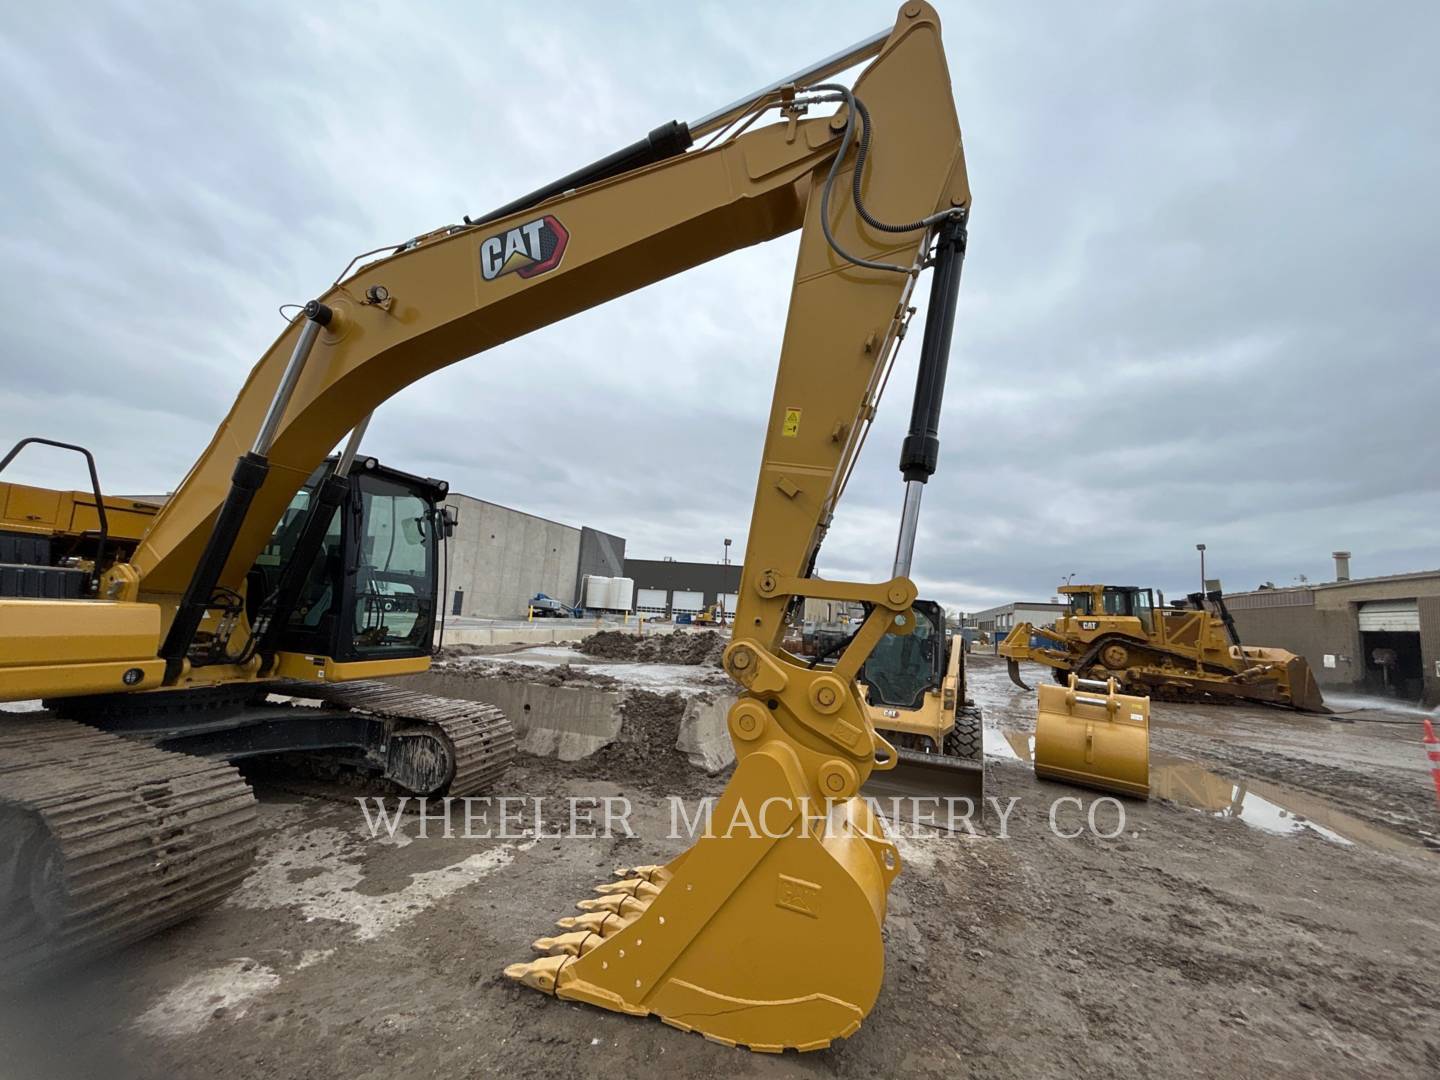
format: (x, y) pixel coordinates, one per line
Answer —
(726, 575)
(1201, 549)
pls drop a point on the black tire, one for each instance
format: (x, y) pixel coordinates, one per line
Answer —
(966, 740)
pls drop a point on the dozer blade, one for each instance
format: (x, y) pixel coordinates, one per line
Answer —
(1087, 734)
(1013, 666)
(764, 934)
(1304, 690)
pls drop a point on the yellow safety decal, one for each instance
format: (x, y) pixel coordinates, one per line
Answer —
(792, 423)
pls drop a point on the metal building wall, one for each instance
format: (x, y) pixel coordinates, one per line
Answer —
(1323, 620)
(602, 554)
(711, 579)
(1430, 646)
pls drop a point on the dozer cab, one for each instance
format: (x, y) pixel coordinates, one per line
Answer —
(1191, 653)
(914, 688)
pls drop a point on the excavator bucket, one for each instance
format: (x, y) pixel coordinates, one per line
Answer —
(1013, 666)
(765, 933)
(1087, 734)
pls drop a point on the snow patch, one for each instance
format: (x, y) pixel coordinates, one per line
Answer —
(326, 860)
(188, 1007)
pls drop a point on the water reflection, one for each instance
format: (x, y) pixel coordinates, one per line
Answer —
(1269, 807)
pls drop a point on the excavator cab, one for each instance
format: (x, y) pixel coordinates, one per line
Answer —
(370, 591)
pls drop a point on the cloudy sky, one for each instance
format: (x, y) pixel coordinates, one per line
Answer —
(1200, 302)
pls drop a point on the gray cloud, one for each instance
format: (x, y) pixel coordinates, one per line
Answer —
(1199, 304)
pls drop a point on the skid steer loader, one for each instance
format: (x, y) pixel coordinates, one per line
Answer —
(1191, 653)
(914, 688)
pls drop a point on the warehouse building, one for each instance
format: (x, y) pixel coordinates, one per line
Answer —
(500, 558)
(669, 588)
(1379, 635)
(1001, 620)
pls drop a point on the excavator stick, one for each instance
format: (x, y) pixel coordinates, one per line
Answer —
(765, 933)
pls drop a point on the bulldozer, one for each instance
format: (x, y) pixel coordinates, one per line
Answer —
(167, 643)
(1191, 653)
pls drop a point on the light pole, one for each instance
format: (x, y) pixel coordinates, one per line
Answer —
(1201, 549)
(726, 576)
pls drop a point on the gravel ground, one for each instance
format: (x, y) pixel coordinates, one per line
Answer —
(1276, 916)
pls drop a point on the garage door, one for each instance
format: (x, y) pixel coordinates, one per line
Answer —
(1392, 615)
(650, 599)
(687, 601)
(730, 601)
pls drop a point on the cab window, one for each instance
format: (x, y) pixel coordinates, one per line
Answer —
(1081, 604)
(1118, 602)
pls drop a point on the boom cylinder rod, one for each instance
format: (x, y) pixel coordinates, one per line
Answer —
(352, 447)
(317, 317)
(920, 452)
(821, 69)
(251, 469)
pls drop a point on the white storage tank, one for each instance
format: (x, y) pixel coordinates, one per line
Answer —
(622, 593)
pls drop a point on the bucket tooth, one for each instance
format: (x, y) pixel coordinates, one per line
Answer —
(656, 873)
(593, 921)
(769, 941)
(577, 943)
(540, 974)
(636, 887)
(620, 904)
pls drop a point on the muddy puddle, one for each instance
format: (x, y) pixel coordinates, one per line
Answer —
(1260, 804)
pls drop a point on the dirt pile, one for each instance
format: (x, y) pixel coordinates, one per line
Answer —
(541, 675)
(645, 748)
(680, 647)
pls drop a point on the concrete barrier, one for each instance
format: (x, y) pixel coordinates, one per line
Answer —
(705, 735)
(565, 722)
(543, 632)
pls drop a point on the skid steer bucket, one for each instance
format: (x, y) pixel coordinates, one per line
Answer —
(765, 933)
(1088, 734)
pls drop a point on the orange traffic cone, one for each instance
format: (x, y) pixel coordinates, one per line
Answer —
(1432, 748)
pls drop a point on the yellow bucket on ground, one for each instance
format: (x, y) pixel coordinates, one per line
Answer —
(1087, 734)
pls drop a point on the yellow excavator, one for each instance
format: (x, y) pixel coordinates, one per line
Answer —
(160, 640)
(1190, 653)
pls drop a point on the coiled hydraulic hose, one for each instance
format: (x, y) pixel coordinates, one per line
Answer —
(855, 107)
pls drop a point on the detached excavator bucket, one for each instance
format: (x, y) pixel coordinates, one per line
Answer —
(1088, 734)
(765, 933)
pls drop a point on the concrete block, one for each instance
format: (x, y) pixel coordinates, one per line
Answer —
(565, 722)
(704, 735)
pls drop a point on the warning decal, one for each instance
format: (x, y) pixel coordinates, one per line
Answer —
(792, 423)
